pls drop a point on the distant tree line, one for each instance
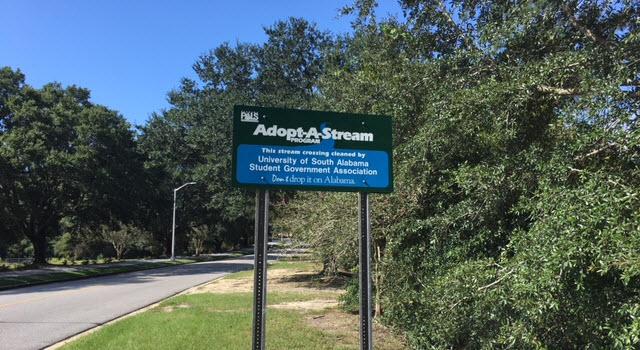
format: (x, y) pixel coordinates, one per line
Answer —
(515, 220)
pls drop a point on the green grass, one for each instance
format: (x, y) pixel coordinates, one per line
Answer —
(208, 321)
(28, 280)
(6, 266)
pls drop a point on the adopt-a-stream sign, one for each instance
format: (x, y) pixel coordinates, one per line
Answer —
(311, 150)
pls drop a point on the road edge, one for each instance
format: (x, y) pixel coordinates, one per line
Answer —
(142, 309)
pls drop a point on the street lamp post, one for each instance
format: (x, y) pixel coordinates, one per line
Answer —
(173, 230)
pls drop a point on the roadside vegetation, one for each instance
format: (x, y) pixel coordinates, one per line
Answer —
(26, 264)
(303, 312)
(514, 221)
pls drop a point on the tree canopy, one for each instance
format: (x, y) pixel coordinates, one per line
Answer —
(61, 157)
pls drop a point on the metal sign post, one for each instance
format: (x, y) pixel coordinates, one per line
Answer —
(366, 340)
(260, 268)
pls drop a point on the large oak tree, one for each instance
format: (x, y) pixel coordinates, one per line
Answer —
(61, 156)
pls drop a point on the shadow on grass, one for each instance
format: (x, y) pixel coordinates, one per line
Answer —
(316, 280)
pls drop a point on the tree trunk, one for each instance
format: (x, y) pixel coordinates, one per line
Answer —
(378, 281)
(39, 242)
(167, 244)
(118, 254)
(378, 276)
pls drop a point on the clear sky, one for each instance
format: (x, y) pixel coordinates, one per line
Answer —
(130, 53)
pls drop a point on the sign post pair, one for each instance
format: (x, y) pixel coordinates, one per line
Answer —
(290, 149)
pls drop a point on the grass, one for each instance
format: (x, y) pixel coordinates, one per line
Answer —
(48, 277)
(7, 266)
(205, 321)
(221, 318)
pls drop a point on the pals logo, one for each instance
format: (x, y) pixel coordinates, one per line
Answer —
(246, 116)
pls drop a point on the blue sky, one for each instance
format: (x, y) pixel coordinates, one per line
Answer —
(130, 53)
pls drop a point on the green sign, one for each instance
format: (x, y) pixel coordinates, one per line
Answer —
(311, 150)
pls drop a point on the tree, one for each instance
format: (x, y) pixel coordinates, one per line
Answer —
(289, 65)
(197, 238)
(61, 156)
(203, 235)
(122, 237)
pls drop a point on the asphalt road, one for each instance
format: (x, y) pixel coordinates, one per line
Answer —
(38, 316)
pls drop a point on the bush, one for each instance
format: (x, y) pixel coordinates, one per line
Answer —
(63, 246)
(22, 249)
(350, 300)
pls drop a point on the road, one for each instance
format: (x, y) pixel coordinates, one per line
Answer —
(38, 316)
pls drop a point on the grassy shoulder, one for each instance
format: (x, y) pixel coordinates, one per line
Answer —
(12, 265)
(303, 313)
(8, 282)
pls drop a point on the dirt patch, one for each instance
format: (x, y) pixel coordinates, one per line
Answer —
(340, 325)
(316, 304)
(344, 327)
(278, 280)
(225, 285)
(170, 308)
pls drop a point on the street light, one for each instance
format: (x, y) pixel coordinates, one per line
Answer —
(173, 231)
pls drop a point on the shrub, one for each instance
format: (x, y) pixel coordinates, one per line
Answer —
(350, 300)
(63, 246)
